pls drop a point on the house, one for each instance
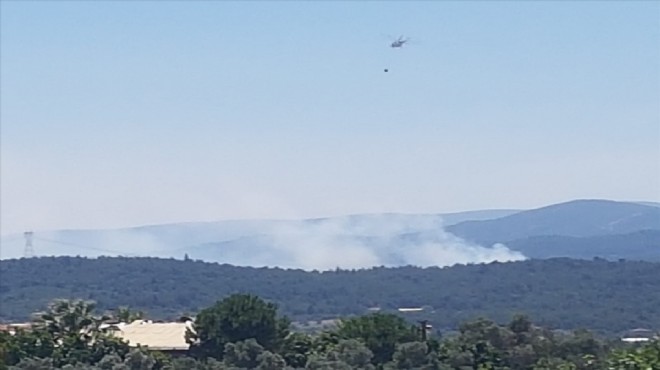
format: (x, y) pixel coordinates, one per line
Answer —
(168, 337)
(410, 309)
(13, 328)
(639, 335)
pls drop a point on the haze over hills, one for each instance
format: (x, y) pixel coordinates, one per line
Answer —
(579, 218)
(641, 245)
(576, 229)
(322, 243)
(650, 204)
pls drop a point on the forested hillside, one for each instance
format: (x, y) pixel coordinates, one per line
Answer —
(559, 293)
(641, 245)
(579, 218)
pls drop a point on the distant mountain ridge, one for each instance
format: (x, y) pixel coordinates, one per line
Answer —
(640, 245)
(579, 218)
(244, 240)
(574, 229)
(651, 204)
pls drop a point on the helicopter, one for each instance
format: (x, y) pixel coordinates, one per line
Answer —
(399, 42)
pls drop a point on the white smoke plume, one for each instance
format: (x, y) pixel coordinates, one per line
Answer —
(350, 242)
(378, 240)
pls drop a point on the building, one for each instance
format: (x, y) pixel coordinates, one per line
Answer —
(410, 309)
(168, 337)
(639, 335)
(12, 328)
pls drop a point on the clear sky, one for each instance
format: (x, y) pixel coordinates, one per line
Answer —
(123, 113)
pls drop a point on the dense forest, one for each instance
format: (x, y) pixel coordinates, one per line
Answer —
(244, 332)
(643, 245)
(607, 297)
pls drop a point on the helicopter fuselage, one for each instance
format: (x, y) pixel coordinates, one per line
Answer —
(398, 43)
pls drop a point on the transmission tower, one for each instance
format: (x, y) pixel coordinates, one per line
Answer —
(29, 248)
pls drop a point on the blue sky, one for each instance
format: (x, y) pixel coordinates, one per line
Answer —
(128, 113)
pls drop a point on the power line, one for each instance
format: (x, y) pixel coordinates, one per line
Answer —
(87, 247)
(11, 238)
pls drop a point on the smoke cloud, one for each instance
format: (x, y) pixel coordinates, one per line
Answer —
(379, 240)
(350, 242)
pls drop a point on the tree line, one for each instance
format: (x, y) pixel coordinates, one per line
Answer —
(243, 331)
(606, 297)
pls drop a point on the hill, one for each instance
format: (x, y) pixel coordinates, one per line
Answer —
(560, 293)
(651, 204)
(576, 229)
(641, 245)
(580, 218)
(323, 243)
(449, 219)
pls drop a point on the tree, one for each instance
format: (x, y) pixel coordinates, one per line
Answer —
(270, 361)
(554, 364)
(67, 333)
(411, 355)
(34, 364)
(71, 319)
(296, 349)
(243, 354)
(582, 349)
(342, 354)
(325, 341)
(25, 344)
(329, 361)
(249, 354)
(237, 318)
(189, 363)
(354, 353)
(644, 357)
(379, 332)
(125, 314)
